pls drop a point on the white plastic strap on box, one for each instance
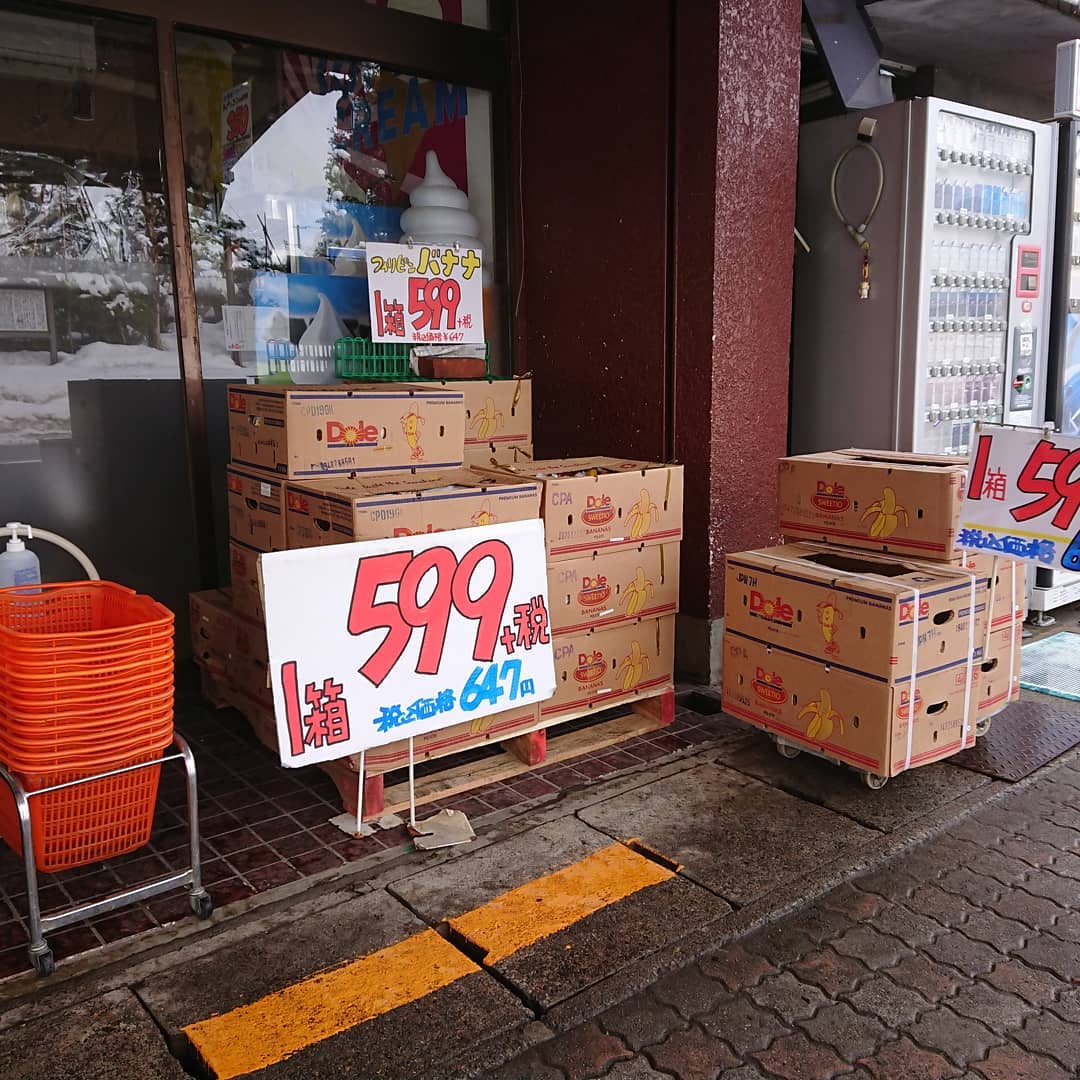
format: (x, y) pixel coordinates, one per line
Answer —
(877, 580)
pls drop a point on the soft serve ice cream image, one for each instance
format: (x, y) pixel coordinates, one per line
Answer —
(314, 360)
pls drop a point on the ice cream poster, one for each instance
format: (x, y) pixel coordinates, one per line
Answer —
(299, 317)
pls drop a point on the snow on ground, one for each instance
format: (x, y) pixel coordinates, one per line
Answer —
(33, 393)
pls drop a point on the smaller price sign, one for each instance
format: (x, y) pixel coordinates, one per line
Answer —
(1023, 497)
(384, 639)
(425, 294)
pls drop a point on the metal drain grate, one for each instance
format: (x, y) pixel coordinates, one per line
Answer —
(1022, 737)
(1052, 666)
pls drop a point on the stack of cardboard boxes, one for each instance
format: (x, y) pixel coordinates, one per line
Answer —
(870, 636)
(333, 464)
(613, 530)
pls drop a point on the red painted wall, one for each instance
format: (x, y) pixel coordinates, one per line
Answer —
(630, 171)
(593, 139)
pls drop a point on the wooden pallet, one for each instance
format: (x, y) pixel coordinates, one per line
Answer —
(518, 756)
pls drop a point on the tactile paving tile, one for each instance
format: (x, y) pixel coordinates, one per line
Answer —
(1022, 737)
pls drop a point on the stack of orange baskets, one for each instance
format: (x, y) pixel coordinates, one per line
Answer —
(86, 686)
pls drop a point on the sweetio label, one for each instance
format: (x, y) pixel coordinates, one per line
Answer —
(381, 640)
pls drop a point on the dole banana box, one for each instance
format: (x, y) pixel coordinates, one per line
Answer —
(603, 504)
(246, 592)
(999, 678)
(854, 609)
(852, 718)
(212, 622)
(599, 668)
(601, 590)
(376, 507)
(256, 504)
(298, 432)
(498, 412)
(1006, 582)
(905, 504)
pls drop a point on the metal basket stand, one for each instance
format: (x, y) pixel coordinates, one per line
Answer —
(201, 905)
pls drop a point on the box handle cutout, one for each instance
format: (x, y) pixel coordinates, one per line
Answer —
(988, 665)
(936, 709)
(943, 617)
(323, 524)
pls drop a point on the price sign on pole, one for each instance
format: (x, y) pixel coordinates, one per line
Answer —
(1023, 497)
(423, 294)
(380, 640)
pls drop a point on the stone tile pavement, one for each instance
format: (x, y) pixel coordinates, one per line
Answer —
(959, 959)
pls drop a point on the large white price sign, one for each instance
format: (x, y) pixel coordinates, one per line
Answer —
(384, 639)
(1023, 497)
(423, 294)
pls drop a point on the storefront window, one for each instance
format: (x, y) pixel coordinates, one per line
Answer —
(294, 162)
(90, 398)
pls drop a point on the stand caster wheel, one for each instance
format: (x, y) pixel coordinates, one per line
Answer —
(982, 727)
(873, 781)
(786, 750)
(201, 905)
(43, 962)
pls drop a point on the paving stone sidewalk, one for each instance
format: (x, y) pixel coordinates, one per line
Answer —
(960, 958)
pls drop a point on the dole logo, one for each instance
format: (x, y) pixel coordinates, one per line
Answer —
(775, 611)
(769, 686)
(359, 434)
(590, 667)
(830, 497)
(401, 531)
(237, 402)
(295, 501)
(907, 608)
(598, 510)
(903, 710)
(594, 590)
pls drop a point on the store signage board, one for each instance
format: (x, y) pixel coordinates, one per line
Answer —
(421, 294)
(376, 641)
(235, 127)
(1023, 497)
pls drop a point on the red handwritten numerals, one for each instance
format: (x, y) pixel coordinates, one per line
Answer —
(447, 585)
(1060, 489)
(432, 298)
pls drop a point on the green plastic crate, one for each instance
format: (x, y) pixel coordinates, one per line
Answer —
(374, 361)
(371, 361)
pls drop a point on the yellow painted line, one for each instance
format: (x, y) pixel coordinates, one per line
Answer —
(551, 903)
(279, 1025)
(254, 1036)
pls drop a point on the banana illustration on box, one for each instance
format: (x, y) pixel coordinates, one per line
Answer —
(829, 615)
(637, 592)
(478, 725)
(641, 516)
(822, 718)
(487, 421)
(634, 664)
(484, 516)
(410, 425)
(886, 513)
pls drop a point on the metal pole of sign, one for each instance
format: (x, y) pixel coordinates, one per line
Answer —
(360, 796)
(412, 785)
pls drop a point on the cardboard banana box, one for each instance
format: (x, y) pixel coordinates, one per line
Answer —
(999, 671)
(212, 623)
(852, 718)
(598, 591)
(498, 412)
(601, 668)
(602, 504)
(906, 504)
(855, 609)
(256, 504)
(374, 508)
(298, 432)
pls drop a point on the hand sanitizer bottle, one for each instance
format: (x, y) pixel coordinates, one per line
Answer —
(17, 565)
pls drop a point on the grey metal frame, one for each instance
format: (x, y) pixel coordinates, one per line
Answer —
(40, 925)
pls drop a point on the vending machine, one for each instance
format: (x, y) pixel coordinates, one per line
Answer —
(1051, 587)
(923, 304)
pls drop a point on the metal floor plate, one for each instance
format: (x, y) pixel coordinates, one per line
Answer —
(1022, 737)
(1052, 666)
